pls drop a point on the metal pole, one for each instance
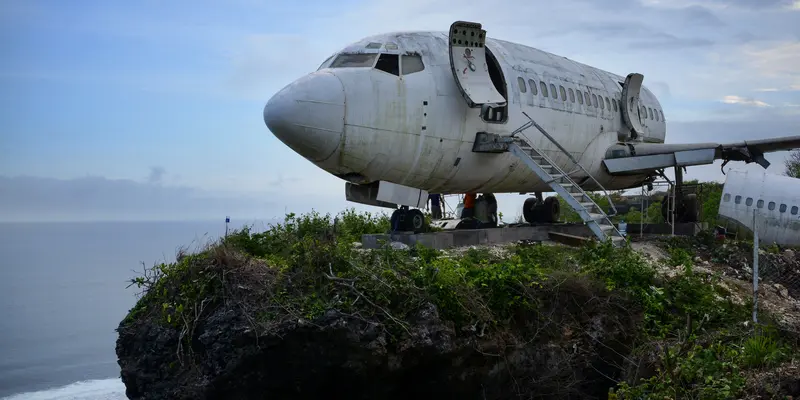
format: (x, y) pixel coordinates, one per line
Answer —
(755, 268)
(673, 209)
(645, 213)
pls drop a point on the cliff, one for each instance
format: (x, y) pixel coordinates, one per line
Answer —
(300, 312)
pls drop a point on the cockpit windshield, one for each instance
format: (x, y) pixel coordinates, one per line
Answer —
(353, 60)
(391, 63)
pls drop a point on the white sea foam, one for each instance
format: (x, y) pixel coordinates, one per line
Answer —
(99, 389)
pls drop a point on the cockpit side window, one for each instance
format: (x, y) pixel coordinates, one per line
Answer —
(354, 60)
(389, 63)
(411, 63)
(324, 63)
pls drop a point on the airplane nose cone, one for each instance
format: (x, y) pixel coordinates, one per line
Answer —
(308, 115)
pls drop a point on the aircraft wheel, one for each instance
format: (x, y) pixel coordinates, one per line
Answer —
(687, 209)
(530, 210)
(415, 221)
(398, 220)
(690, 208)
(550, 210)
(491, 210)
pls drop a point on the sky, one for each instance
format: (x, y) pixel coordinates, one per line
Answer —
(153, 109)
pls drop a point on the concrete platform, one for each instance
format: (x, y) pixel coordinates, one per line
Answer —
(509, 234)
(681, 229)
(472, 237)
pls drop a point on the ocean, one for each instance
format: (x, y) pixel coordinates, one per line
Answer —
(63, 293)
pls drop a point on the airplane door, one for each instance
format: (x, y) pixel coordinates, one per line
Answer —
(630, 96)
(469, 65)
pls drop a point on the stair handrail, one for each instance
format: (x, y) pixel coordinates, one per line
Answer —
(530, 123)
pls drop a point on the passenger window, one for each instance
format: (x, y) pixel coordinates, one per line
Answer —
(749, 201)
(608, 104)
(563, 93)
(656, 114)
(643, 111)
(553, 91)
(794, 210)
(411, 64)
(354, 60)
(783, 208)
(389, 63)
(662, 115)
(532, 84)
(771, 205)
(760, 204)
(737, 199)
(650, 112)
(614, 102)
(727, 197)
(544, 88)
(602, 107)
(521, 83)
(571, 95)
(594, 100)
(588, 99)
(580, 96)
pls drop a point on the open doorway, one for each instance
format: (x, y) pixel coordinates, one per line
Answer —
(500, 114)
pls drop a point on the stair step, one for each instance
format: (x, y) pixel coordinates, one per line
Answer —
(606, 227)
(596, 217)
(587, 205)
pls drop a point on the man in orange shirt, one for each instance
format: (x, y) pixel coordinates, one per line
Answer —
(469, 205)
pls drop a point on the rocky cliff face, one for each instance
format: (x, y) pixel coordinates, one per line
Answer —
(299, 313)
(572, 347)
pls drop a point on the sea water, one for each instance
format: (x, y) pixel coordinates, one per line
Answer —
(63, 293)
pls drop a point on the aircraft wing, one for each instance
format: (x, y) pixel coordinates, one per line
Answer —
(625, 159)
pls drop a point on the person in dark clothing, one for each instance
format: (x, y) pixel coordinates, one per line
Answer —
(436, 205)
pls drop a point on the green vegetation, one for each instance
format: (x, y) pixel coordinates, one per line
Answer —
(793, 164)
(709, 194)
(307, 265)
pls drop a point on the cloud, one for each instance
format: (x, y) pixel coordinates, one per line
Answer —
(156, 174)
(26, 198)
(743, 101)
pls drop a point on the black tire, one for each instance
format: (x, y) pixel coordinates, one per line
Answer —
(691, 211)
(551, 209)
(491, 210)
(415, 221)
(397, 223)
(687, 209)
(529, 210)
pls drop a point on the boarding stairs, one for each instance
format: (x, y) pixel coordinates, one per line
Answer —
(558, 180)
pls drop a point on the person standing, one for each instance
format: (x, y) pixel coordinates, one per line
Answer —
(435, 200)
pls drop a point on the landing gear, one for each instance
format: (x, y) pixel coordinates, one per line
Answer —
(405, 219)
(686, 208)
(541, 211)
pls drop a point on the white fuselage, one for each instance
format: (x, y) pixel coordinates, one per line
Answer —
(773, 200)
(357, 121)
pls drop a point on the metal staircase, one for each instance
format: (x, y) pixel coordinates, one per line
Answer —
(591, 213)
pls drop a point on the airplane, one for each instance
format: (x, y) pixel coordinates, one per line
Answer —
(767, 201)
(403, 114)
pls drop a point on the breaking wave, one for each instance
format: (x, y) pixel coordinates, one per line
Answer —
(98, 389)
